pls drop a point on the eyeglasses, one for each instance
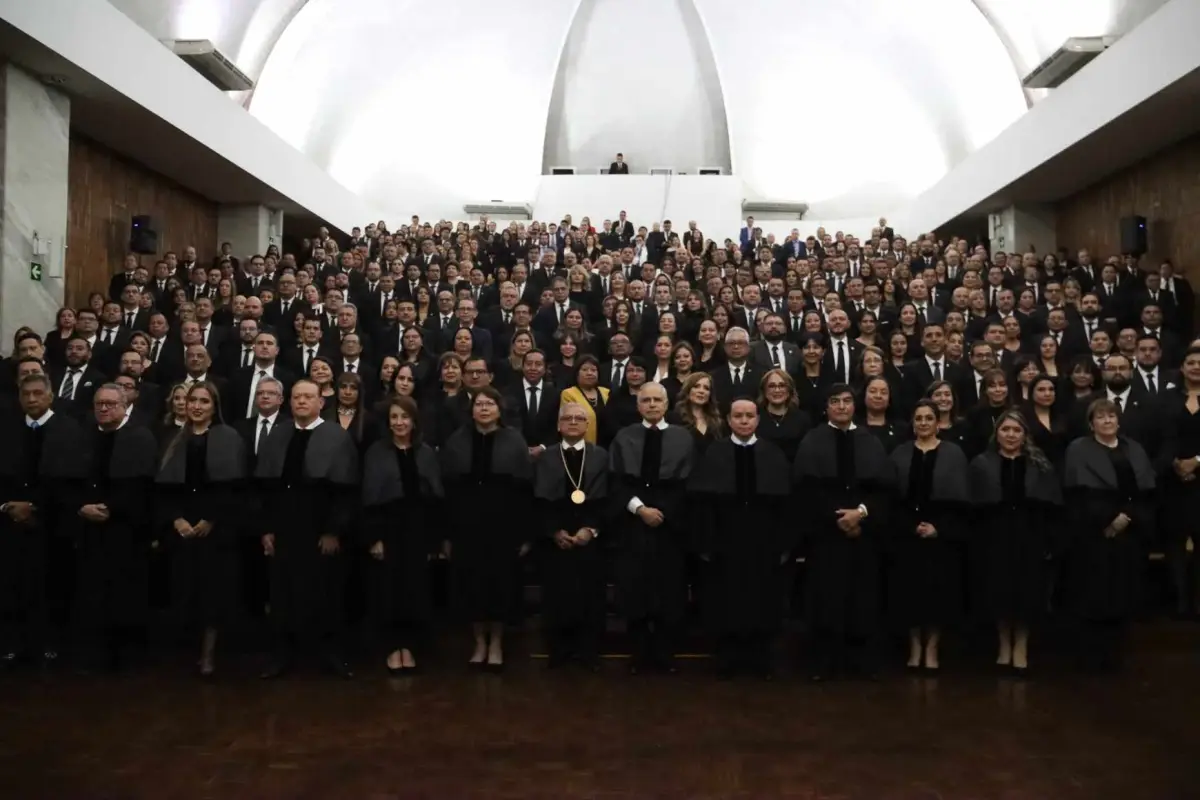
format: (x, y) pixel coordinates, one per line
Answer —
(573, 419)
(106, 404)
(475, 371)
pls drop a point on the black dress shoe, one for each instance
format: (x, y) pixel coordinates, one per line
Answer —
(1020, 673)
(494, 667)
(397, 672)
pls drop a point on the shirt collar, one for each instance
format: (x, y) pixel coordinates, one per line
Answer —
(851, 428)
(316, 423)
(739, 443)
(529, 385)
(578, 446)
(662, 425)
(124, 420)
(40, 422)
(269, 420)
(1123, 395)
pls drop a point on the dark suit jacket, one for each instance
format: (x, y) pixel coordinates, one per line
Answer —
(237, 390)
(789, 354)
(542, 428)
(86, 384)
(624, 232)
(854, 352)
(918, 376)
(618, 168)
(481, 341)
(1141, 419)
(545, 321)
(726, 392)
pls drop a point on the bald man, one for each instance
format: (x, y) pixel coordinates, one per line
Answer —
(650, 463)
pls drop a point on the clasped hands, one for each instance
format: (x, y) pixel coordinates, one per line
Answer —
(189, 531)
(1119, 525)
(651, 516)
(566, 541)
(849, 520)
(328, 545)
(19, 510)
(95, 512)
(1185, 469)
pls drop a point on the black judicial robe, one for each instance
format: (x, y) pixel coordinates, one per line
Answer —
(487, 480)
(201, 479)
(891, 434)
(926, 585)
(1017, 509)
(1104, 575)
(651, 562)
(786, 431)
(739, 500)
(838, 470)
(111, 556)
(572, 580)
(402, 497)
(307, 482)
(38, 466)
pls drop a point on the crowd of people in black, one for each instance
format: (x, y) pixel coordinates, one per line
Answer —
(938, 432)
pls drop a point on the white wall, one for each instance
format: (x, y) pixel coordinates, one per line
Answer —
(1149, 58)
(34, 124)
(604, 102)
(99, 39)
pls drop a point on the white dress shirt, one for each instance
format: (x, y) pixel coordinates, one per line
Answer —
(259, 433)
(739, 443)
(30, 422)
(635, 504)
(260, 373)
(316, 423)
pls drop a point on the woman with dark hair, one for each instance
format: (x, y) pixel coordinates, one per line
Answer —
(174, 416)
(413, 352)
(709, 354)
(567, 354)
(387, 372)
(402, 491)
(56, 340)
(201, 472)
(486, 467)
(622, 409)
(683, 363)
(1024, 370)
(623, 321)
(994, 400)
(952, 426)
(446, 406)
(928, 522)
(463, 344)
(879, 414)
(781, 419)
(696, 410)
(1109, 484)
(585, 389)
(320, 372)
(347, 410)
(811, 380)
(1017, 499)
(1084, 380)
(1047, 422)
(868, 330)
(659, 367)
(508, 370)
(897, 353)
(908, 322)
(1048, 355)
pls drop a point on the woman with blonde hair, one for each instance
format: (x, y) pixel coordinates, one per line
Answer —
(782, 420)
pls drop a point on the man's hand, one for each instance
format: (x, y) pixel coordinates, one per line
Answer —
(583, 536)
(1185, 468)
(537, 450)
(19, 510)
(651, 516)
(184, 528)
(377, 550)
(202, 528)
(268, 543)
(329, 545)
(563, 540)
(849, 518)
(94, 512)
(524, 549)
(926, 531)
(1120, 523)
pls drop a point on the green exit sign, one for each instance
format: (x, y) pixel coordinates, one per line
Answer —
(35, 271)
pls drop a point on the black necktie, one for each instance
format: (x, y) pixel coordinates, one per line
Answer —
(129, 317)
(1150, 383)
(349, 368)
(840, 364)
(68, 388)
(247, 355)
(562, 311)
(937, 370)
(796, 322)
(107, 336)
(995, 297)
(507, 317)
(737, 376)
(154, 351)
(533, 400)
(1120, 405)
(285, 305)
(775, 354)
(618, 371)
(312, 353)
(262, 435)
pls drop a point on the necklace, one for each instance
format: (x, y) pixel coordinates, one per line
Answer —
(577, 496)
(345, 412)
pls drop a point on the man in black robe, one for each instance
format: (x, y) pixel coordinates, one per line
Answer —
(111, 545)
(843, 478)
(570, 485)
(42, 455)
(740, 488)
(306, 472)
(650, 463)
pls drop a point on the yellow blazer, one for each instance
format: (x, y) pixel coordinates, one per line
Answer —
(575, 395)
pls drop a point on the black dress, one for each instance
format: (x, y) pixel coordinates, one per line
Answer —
(407, 525)
(927, 582)
(204, 570)
(1180, 500)
(785, 431)
(891, 434)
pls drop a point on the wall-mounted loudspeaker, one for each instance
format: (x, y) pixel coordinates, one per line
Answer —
(1133, 235)
(143, 238)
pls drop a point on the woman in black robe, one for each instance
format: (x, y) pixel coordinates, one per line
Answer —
(621, 408)
(1047, 419)
(402, 492)
(487, 471)
(1017, 501)
(843, 483)
(878, 415)
(927, 525)
(994, 400)
(572, 560)
(696, 411)
(445, 407)
(951, 425)
(740, 489)
(198, 502)
(1180, 457)
(781, 420)
(111, 546)
(1108, 485)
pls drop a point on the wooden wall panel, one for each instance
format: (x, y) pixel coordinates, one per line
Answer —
(1164, 188)
(105, 191)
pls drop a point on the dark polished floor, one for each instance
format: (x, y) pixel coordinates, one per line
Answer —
(157, 732)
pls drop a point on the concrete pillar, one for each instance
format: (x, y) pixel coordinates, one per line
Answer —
(1017, 228)
(34, 136)
(250, 229)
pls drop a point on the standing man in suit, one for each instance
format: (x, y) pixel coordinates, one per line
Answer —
(933, 366)
(843, 353)
(133, 316)
(746, 235)
(927, 312)
(618, 167)
(775, 351)
(531, 404)
(738, 379)
(549, 318)
(245, 381)
(1185, 299)
(623, 229)
(79, 380)
(123, 278)
(481, 338)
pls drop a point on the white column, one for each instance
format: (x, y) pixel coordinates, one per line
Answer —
(34, 137)
(250, 229)
(1016, 228)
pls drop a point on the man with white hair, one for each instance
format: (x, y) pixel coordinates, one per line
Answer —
(650, 462)
(739, 377)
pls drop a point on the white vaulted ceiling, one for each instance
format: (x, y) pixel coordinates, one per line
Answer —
(852, 106)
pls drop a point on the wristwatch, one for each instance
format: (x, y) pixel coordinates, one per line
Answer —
(595, 533)
(862, 509)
